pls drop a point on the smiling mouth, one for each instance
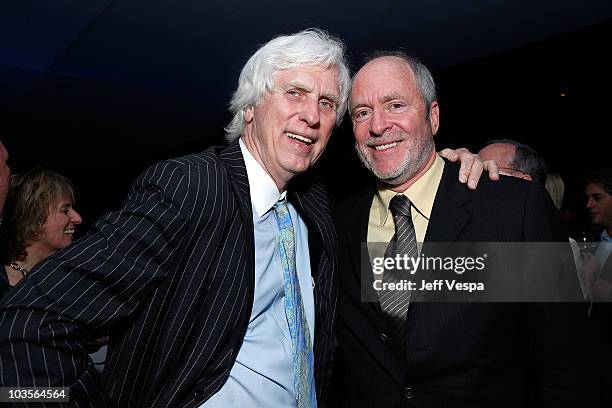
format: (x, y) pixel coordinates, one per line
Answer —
(300, 138)
(69, 231)
(386, 146)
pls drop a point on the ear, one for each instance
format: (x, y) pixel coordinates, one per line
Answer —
(248, 114)
(434, 117)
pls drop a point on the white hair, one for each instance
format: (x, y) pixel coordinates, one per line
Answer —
(311, 47)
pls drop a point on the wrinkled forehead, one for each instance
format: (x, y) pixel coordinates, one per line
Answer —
(322, 79)
(388, 65)
(382, 77)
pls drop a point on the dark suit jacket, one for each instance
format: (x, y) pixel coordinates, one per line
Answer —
(458, 354)
(170, 276)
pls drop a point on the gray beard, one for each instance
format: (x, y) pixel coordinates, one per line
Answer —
(414, 161)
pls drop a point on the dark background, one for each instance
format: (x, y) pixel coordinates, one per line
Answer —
(98, 90)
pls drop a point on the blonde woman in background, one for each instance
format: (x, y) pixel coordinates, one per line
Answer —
(38, 220)
(556, 189)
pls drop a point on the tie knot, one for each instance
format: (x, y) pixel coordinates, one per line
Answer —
(281, 213)
(400, 205)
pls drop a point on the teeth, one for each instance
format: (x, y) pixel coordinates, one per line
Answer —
(386, 146)
(298, 137)
(69, 231)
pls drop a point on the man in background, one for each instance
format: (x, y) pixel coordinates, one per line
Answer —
(515, 159)
(599, 206)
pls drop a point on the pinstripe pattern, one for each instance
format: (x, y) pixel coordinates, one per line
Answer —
(170, 276)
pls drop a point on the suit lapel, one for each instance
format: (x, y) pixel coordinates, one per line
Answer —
(353, 220)
(448, 215)
(232, 159)
(357, 228)
(313, 204)
(448, 218)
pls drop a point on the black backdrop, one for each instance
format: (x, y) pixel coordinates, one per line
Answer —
(102, 136)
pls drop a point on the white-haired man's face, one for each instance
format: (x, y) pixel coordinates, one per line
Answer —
(289, 129)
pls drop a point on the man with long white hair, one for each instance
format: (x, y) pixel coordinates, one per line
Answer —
(217, 278)
(204, 277)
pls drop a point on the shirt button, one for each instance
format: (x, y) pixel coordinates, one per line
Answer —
(383, 337)
(408, 393)
(198, 395)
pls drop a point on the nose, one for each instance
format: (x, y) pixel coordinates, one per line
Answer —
(75, 217)
(589, 203)
(310, 112)
(379, 123)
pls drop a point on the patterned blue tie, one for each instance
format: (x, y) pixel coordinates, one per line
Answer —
(303, 359)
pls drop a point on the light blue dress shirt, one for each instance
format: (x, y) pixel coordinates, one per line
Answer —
(262, 375)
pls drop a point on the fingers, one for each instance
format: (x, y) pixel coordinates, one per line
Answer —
(467, 172)
(471, 166)
(449, 154)
(474, 172)
(492, 168)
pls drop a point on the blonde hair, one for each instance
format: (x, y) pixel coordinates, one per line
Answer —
(30, 197)
(556, 188)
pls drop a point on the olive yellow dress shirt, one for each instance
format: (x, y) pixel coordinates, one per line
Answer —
(422, 193)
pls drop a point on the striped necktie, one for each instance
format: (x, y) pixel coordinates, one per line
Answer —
(394, 303)
(303, 359)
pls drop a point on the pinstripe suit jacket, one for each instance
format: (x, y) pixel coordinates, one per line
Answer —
(170, 276)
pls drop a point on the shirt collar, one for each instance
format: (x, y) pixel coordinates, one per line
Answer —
(421, 193)
(605, 237)
(263, 190)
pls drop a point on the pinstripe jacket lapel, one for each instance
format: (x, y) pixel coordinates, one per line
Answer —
(232, 159)
(171, 275)
(312, 202)
(314, 205)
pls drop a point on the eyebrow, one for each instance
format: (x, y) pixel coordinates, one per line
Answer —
(298, 85)
(334, 98)
(384, 99)
(302, 87)
(392, 96)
